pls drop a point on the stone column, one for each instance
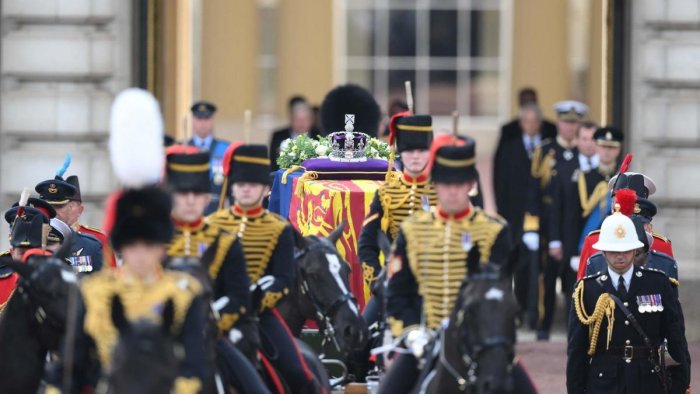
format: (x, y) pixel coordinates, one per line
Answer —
(664, 119)
(61, 64)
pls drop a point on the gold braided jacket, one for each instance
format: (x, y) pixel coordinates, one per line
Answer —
(437, 249)
(401, 198)
(259, 232)
(141, 300)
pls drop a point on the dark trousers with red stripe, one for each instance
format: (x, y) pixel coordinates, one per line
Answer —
(281, 349)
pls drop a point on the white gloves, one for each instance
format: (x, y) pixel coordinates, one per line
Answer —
(416, 340)
(263, 283)
(574, 262)
(531, 239)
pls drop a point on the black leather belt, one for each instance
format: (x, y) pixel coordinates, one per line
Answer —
(630, 352)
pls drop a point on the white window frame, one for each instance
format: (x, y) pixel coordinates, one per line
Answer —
(502, 63)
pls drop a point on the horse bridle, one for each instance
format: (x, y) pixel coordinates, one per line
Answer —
(469, 357)
(323, 315)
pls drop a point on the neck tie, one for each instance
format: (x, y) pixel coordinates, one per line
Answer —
(590, 167)
(621, 289)
(530, 146)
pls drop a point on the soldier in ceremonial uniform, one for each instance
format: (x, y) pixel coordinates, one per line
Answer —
(433, 250)
(554, 158)
(400, 198)
(27, 233)
(86, 254)
(644, 187)
(187, 176)
(621, 317)
(141, 231)
(203, 138)
(268, 246)
(72, 218)
(394, 202)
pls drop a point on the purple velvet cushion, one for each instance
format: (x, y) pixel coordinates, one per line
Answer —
(329, 169)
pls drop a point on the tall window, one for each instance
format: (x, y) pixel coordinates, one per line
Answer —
(452, 51)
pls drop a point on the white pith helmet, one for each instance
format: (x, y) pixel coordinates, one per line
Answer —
(617, 234)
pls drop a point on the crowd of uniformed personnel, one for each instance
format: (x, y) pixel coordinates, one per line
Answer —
(567, 213)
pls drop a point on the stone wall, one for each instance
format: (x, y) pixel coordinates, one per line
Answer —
(61, 64)
(664, 119)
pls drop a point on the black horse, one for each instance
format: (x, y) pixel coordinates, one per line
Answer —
(475, 353)
(34, 319)
(323, 294)
(145, 350)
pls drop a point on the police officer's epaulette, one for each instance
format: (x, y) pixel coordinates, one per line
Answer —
(594, 276)
(593, 232)
(662, 255)
(661, 237)
(653, 270)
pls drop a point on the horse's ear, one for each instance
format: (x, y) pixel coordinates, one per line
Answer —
(118, 316)
(168, 315)
(335, 235)
(210, 254)
(24, 270)
(64, 251)
(384, 243)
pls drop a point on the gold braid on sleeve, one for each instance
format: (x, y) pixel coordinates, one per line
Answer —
(604, 308)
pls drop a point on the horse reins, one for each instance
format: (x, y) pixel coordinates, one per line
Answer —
(323, 315)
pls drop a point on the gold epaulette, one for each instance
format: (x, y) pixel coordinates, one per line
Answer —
(531, 223)
(661, 237)
(604, 309)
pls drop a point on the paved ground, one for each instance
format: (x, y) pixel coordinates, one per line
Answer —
(546, 362)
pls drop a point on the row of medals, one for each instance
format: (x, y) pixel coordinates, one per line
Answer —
(649, 303)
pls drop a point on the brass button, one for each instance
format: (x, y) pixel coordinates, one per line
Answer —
(627, 323)
(600, 375)
(627, 342)
(626, 303)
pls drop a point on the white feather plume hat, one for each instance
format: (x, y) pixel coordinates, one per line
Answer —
(136, 138)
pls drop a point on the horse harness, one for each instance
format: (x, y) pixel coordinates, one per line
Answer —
(468, 360)
(323, 315)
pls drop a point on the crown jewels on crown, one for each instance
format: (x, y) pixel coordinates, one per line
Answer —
(348, 145)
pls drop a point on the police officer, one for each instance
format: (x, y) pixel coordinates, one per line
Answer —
(86, 253)
(620, 318)
(466, 236)
(203, 138)
(187, 176)
(268, 246)
(142, 229)
(553, 158)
